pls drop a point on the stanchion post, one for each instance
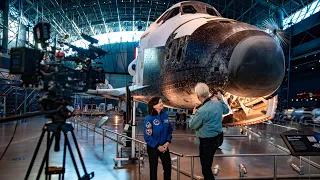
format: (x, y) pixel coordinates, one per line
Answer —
(192, 167)
(275, 167)
(309, 166)
(117, 151)
(103, 135)
(94, 132)
(300, 160)
(87, 129)
(178, 167)
(139, 155)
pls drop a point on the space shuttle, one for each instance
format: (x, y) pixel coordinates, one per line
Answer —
(191, 43)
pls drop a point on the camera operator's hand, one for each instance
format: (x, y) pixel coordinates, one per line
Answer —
(194, 110)
(219, 95)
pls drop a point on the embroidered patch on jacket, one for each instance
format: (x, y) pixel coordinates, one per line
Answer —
(166, 121)
(148, 125)
(156, 122)
(149, 131)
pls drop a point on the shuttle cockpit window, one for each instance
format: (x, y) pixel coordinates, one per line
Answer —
(211, 11)
(189, 9)
(172, 13)
(163, 16)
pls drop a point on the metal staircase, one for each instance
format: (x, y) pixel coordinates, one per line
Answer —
(18, 100)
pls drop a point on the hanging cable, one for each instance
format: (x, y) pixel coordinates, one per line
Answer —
(14, 132)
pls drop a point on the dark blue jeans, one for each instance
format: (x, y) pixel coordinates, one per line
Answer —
(207, 148)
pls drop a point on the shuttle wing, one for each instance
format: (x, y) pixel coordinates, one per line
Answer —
(113, 93)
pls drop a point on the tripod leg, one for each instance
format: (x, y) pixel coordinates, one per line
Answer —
(78, 150)
(72, 156)
(46, 156)
(64, 155)
(34, 155)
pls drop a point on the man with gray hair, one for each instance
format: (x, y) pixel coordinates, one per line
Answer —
(207, 121)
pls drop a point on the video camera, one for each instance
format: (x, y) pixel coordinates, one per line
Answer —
(92, 52)
(31, 65)
(60, 81)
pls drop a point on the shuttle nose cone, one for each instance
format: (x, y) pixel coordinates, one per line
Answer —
(256, 67)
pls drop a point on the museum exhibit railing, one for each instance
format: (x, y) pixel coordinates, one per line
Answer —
(89, 126)
(242, 169)
(276, 140)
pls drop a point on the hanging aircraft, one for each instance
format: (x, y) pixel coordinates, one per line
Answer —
(190, 43)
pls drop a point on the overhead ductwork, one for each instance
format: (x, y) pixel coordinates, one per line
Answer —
(276, 8)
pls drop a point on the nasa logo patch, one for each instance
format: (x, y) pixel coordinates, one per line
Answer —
(156, 122)
(148, 125)
(149, 131)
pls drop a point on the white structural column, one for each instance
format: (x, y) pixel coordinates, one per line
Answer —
(133, 143)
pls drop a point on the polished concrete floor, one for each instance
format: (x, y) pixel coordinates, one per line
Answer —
(261, 139)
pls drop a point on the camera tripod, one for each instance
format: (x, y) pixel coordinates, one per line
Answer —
(56, 128)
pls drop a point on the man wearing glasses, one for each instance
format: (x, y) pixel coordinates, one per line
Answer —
(207, 121)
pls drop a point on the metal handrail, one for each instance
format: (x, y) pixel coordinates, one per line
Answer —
(287, 151)
(103, 133)
(193, 135)
(141, 142)
(33, 99)
(7, 92)
(275, 176)
(177, 168)
(9, 89)
(241, 155)
(26, 99)
(127, 137)
(286, 121)
(191, 174)
(301, 157)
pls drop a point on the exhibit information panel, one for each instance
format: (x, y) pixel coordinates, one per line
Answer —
(302, 143)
